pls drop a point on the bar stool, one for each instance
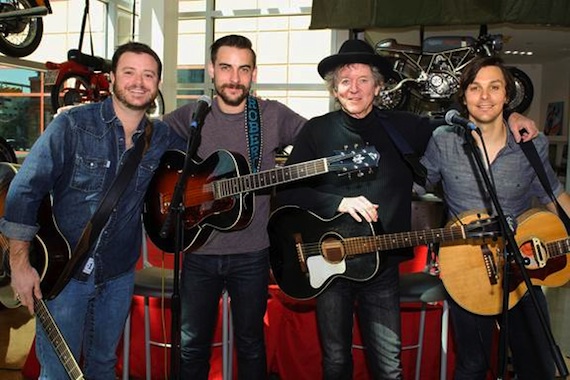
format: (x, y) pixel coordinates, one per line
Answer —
(155, 282)
(425, 288)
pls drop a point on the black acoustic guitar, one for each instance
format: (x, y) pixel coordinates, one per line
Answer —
(219, 192)
(49, 253)
(308, 252)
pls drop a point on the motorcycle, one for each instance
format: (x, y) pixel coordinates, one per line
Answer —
(84, 78)
(21, 26)
(427, 77)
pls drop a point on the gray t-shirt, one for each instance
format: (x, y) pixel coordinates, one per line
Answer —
(449, 160)
(224, 131)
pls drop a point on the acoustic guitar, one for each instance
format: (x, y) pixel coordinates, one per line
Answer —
(49, 253)
(473, 273)
(219, 192)
(308, 252)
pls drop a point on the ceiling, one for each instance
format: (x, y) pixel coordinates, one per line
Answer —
(547, 43)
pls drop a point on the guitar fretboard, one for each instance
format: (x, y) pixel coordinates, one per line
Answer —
(558, 247)
(57, 340)
(361, 245)
(256, 181)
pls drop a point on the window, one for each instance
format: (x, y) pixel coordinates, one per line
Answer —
(278, 29)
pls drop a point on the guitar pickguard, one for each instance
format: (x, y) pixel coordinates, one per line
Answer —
(321, 270)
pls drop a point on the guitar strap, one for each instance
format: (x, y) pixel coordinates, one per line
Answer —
(253, 130)
(532, 155)
(409, 155)
(95, 225)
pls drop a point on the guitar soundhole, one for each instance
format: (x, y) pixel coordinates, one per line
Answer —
(333, 250)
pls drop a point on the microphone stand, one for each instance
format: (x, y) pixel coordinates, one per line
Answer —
(176, 211)
(513, 247)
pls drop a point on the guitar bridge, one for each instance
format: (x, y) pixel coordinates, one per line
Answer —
(539, 253)
(490, 264)
(300, 252)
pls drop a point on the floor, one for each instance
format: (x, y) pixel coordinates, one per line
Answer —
(17, 329)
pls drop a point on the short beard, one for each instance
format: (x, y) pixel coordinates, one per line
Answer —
(232, 102)
(120, 96)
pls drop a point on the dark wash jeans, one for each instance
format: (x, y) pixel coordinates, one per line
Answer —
(528, 344)
(91, 318)
(378, 311)
(245, 276)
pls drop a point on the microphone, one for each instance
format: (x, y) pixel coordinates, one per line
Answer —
(202, 108)
(454, 117)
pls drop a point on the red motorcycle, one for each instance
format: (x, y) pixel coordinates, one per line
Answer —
(85, 78)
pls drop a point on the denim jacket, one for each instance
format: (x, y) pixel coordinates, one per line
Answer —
(75, 161)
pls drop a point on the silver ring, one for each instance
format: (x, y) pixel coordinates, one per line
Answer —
(17, 297)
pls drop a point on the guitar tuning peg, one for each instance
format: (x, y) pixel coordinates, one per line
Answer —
(345, 147)
(355, 146)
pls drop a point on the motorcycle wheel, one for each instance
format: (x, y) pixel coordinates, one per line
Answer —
(524, 91)
(7, 153)
(20, 37)
(72, 90)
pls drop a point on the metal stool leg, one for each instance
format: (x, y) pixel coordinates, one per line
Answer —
(147, 337)
(227, 338)
(126, 347)
(420, 344)
(444, 338)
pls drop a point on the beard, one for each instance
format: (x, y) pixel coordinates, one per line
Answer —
(236, 101)
(120, 95)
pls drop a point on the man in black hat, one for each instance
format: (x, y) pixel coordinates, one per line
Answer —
(382, 198)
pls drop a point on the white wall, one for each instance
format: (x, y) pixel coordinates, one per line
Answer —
(555, 88)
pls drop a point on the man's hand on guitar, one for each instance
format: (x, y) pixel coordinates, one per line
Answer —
(25, 280)
(359, 206)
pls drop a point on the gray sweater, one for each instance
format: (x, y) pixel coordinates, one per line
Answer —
(228, 131)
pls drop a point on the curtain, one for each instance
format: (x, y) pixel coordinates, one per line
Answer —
(365, 14)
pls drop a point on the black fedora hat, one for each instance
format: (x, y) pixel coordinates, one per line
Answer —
(355, 51)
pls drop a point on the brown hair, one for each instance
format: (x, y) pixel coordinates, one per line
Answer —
(232, 40)
(470, 72)
(138, 48)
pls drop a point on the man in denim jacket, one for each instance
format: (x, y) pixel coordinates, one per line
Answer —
(75, 161)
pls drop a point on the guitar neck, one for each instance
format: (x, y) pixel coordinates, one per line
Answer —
(58, 342)
(361, 245)
(267, 178)
(558, 247)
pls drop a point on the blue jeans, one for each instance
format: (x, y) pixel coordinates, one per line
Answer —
(245, 276)
(91, 319)
(529, 347)
(378, 311)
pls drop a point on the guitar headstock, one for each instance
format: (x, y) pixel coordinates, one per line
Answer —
(483, 228)
(357, 160)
